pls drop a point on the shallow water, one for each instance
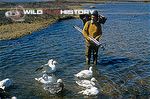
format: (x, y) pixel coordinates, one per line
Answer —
(123, 69)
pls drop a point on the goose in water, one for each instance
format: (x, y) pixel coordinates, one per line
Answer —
(92, 91)
(13, 97)
(5, 83)
(49, 67)
(87, 83)
(55, 88)
(45, 79)
(85, 73)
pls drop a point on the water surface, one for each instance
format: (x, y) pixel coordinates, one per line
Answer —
(123, 68)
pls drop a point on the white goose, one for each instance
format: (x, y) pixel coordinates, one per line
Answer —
(92, 91)
(87, 83)
(85, 73)
(51, 66)
(45, 79)
(5, 83)
(55, 88)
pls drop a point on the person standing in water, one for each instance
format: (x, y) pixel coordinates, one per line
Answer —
(93, 29)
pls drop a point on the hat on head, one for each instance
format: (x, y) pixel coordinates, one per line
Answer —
(95, 13)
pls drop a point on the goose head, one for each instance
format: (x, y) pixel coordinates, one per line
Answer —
(45, 77)
(59, 81)
(90, 69)
(54, 62)
(93, 80)
(13, 97)
(50, 62)
(61, 84)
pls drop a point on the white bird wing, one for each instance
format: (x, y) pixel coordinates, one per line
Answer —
(85, 92)
(84, 74)
(84, 83)
(53, 88)
(41, 80)
(90, 92)
(94, 91)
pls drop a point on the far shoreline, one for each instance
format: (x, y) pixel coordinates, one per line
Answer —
(12, 30)
(17, 30)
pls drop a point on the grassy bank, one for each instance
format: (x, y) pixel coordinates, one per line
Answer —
(15, 30)
(10, 29)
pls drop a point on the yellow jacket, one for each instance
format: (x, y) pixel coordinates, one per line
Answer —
(92, 29)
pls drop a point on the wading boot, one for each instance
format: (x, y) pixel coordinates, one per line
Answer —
(95, 60)
(87, 61)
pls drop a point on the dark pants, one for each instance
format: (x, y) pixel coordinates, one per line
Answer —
(91, 49)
